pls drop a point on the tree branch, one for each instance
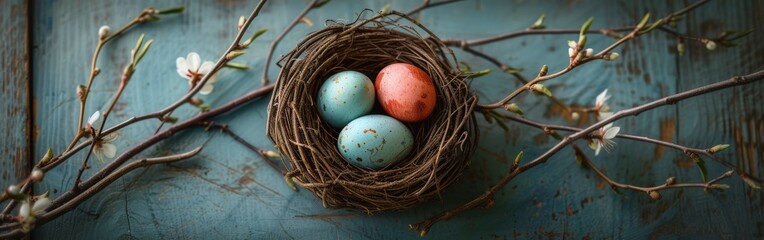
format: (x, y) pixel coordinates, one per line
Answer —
(424, 226)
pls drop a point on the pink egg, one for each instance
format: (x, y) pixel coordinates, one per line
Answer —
(405, 92)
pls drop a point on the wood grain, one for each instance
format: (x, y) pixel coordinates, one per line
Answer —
(15, 89)
(228, 192)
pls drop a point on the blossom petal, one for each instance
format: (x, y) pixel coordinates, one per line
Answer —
(206, 67)
(182, 66)
(94, 118)
(213, 79)
(194, 61)
(597, 149)
(604, 115)
(601, 98)
(109, 150)
(98, 152)
(40, 205)
(110, 137)
(207, 88)
(25, 210)
(184, 74)
(611, 132)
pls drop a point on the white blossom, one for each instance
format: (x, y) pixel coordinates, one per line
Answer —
(28, 212)
(601, 141)
(193, 69)
(601, 106)
(103, 147)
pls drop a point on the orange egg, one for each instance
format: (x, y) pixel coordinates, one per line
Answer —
(405, 92)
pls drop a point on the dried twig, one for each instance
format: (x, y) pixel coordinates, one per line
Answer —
(424, 226)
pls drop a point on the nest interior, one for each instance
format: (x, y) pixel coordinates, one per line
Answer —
(443, 142)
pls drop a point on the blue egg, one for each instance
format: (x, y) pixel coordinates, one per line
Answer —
(345, 96)
(375, 141)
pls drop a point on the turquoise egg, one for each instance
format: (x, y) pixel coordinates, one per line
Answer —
(375, 141)
(345, 96)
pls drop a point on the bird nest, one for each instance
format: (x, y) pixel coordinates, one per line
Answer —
(443, 142)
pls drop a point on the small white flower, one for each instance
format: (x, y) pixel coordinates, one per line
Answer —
(104, 148)
(28, 212)
(601, 141)
(103, 31)
(601, 107)
(193, 69)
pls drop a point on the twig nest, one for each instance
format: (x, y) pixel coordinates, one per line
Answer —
(443, 142)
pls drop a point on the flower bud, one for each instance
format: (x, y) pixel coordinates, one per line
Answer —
(655, 195)
(613, 56)
(512, 107)
(571, 52)
(13, 190)
(103, 32)
(37, 175)
(710, 45)
(290, 183)
(589, 52)
(575, 116)
(671, 181)
(541, 89)
(572, 44)
(270, 154)
(234, 54)
(544, 70)
(47, 157)
(81, 92)
(242, 20)
(718, 148)
(680, 48)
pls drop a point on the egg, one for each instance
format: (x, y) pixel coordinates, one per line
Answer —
(345, 96)
(405, 92)
(375, 141)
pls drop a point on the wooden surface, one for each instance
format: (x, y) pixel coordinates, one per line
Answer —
(15, 89)
(229, 193)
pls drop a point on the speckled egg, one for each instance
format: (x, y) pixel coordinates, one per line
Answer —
(405, 92)
(345, 96)
(375, 141)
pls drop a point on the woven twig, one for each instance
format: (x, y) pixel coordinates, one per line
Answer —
(443, 142)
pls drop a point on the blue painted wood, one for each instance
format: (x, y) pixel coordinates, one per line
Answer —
(227, 192)
(15, 90)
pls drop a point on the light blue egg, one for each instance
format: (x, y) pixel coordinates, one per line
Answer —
(345, 96)
(375, 141)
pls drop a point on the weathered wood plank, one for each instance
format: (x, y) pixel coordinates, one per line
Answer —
(16, 127)
(227, 192)
(734, 117)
